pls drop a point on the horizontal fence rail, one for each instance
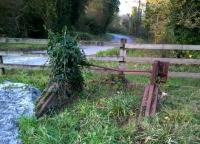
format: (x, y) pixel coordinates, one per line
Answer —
(23, 41)
(100, 70)
(122, 59)
(147, 60)
(5, 40)
(23, 53)
(163, 47)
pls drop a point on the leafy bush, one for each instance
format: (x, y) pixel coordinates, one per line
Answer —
(66, 60)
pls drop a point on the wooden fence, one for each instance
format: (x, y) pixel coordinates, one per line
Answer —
(5, 40)
(122, 59)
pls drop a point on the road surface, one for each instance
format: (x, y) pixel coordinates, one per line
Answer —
(118, 37)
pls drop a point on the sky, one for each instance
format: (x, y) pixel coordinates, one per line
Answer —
(127, 5)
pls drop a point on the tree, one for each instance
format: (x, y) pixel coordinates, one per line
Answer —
(59, 13)
(10, 16)
(157, 19)
(185, 21)
(100, 13)
(28, 18)
(134, 19)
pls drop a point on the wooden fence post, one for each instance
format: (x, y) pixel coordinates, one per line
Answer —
(2, 70)
(122, 54)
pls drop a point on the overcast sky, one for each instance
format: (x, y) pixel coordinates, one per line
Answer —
(127, 5)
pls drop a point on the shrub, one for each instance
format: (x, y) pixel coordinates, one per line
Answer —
(66, 60)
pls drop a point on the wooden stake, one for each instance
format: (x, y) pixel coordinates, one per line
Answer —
(2, 69)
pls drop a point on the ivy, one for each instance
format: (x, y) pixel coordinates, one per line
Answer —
(66, 61)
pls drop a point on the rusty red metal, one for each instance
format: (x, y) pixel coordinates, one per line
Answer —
(149, 102)
(154, 101)
(124, 71)
(163, 71)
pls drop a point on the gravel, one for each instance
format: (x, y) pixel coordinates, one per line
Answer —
(16, 100)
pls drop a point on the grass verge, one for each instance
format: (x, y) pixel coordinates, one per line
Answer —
(105, 113)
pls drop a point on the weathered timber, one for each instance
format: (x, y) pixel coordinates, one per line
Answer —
(163, 47)
(2, 69)
(105, 58)
(21, 66)
(24, 53)
(149, 60)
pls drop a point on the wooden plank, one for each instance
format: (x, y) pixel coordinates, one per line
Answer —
(105, 58)
(100, 70)
(23, 40)
(149, 60)
(163, 47)
(20, 66)
(171, 74)
(122, 54)
(45, 41)
(2, 70)
(23, 53)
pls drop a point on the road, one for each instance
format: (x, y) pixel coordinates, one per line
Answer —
(41, 60)
(118, 37)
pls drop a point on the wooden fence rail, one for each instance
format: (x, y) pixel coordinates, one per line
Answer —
(163, 47)
(122, 59)
(6, 40)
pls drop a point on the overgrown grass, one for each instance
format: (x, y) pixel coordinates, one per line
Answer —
(149, 53)
(105, 113)
(37, 78)
(21, 47)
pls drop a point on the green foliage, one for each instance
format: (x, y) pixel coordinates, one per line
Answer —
(116, 26)
(111, 52)
(66, 60)
(185, 25)
(185, 22)
(100, 14)
(30, 18)
(37, 78)
(27, 18)
(156, 20)
(10, 17)
(56, 15)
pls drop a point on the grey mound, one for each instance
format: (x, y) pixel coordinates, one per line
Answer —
(16, 100)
